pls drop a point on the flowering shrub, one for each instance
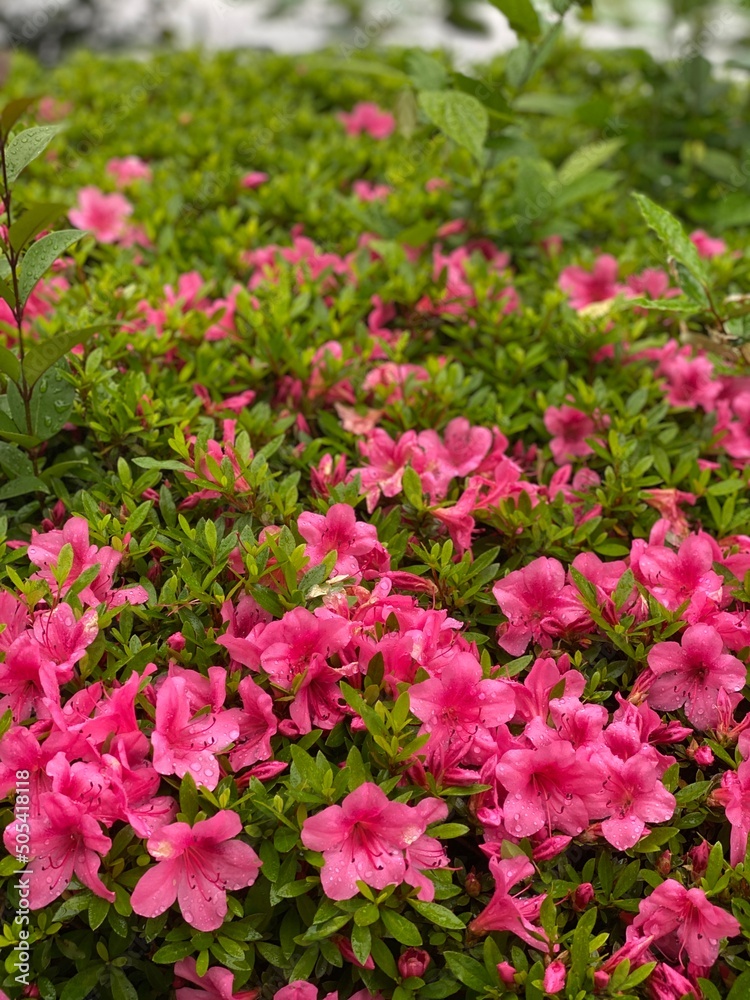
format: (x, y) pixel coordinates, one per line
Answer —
(374, 623)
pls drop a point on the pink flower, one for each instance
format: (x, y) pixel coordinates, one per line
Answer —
(685, 575)
(691, 673)
(633, 795)
(338, 530)
(196, 866)
(217, 984)
(185, 742)
(254, 179)
(684, 924)
(586, 287)
(298, 646)
(363, 839)
(549, 788)
(44, 551)
(507, 912)
(554, 977)
(64, 841)
(459, 706)
(735, 797)
(257, 724)
(414, 962)
(128, 169)
(707, 246)
(538, 605)
(570, 428)
(367, 191)
(102, 214)
(368, 117)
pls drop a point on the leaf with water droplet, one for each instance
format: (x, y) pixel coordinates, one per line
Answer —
(26, 146)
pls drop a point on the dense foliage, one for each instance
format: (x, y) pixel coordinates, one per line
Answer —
(375, 596)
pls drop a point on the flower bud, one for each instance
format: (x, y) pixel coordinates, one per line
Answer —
(413, 962)
(472, 885)
(176, 641)
(664, 863)
(583, 895)
(699, 859)
(507, 973)
(554, 977)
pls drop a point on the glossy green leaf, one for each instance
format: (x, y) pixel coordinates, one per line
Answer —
(42, 255)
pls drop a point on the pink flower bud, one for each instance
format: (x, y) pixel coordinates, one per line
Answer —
(704, 756)
(413, 962)
(472, 885)
(699, 858)
(601, 980)
(583, 895)
(176, 641)
(507, 973)
(551, 847)
(664, 863)
(554, 977)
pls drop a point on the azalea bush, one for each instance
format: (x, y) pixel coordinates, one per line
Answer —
(375, 616)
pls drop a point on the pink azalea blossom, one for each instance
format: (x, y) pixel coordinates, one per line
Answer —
(586, 287)
(684, 924)
(64, 841)
(691, 673)
(185, 742)
(367, 191)
(735, 797)
(44, 551)
(675, 577)
(632, 796)
(538, 604)
(707, 246)
(257, 724)
(128, 169)
(363, 839)
(338, 530)
(570, 428)
(368, 117)
(196, 865)
(549, 788)
(457, 705)
(294, 652)
(507, 911)
(254, 179)
(104, 215)
(216, 984)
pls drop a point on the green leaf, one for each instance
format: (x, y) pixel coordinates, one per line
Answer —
(46, 354)
(173, 952)
(189, 804)
(445, 831)
(42, 255)
(740, 988)
(37, 218)
(51, 403)
(122, 988)
(441, 916)
(9, 364)
(13, 111)
(691, 792)
(98, 909)
(411, 484)
(468, 971)
(715, 864)
(586, 159)
(26, 146)
(82, 984)
(459, 116)
(361, 940)
(23, 484)
(521, 15)
(399, 927)
(673, 236)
